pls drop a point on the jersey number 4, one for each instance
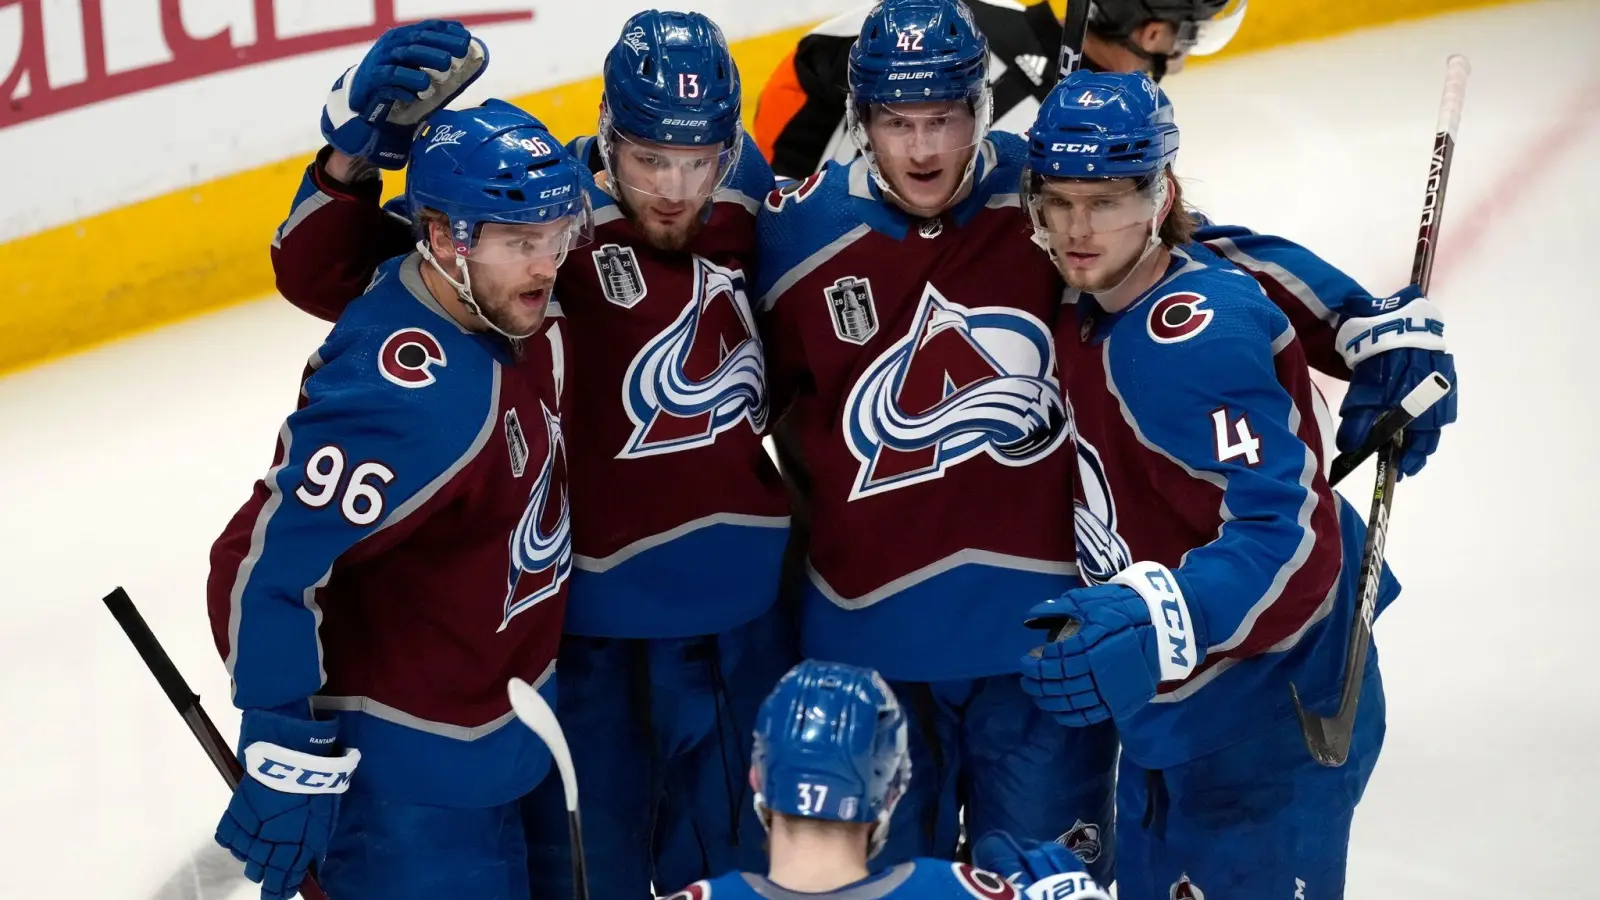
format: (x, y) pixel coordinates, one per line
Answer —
(1242, 443)
(362, 500)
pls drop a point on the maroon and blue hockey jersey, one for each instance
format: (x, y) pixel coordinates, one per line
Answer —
(1197, 447)
(409, 550)
(919, 879)
(917, 373)
(680, 519)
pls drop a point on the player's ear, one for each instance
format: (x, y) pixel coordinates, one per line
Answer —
(439, 242)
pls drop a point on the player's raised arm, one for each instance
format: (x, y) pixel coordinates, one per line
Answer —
(336, 234)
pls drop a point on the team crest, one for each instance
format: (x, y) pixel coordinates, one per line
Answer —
(1102, 552)
(1184, 889)
(516, 444)
(620, 279)
(797, 191)
(700, 890)
(541, 545)
(855, 318)
(983, 884)
(962, 382)
(408, 356)
(701, 376)
(1083, 839)
(1177, 317)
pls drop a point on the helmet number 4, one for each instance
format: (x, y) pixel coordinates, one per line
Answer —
(910, 39)
(812, 797)
(689, 85)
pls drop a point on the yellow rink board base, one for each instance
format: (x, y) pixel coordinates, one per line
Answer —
(204, 247)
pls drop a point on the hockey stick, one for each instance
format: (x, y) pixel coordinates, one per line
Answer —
(1074, 26)
(1328, 738)
(1390, 425)
(541, 720)
(187, 703)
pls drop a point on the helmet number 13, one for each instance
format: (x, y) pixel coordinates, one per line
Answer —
(688, 85)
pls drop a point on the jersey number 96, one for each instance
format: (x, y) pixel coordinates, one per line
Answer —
(361, 500)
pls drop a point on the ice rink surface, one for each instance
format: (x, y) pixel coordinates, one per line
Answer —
(120, 466)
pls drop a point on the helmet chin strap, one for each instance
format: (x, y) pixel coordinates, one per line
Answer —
(464, 291)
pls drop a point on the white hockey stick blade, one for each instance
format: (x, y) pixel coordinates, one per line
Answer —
(535, 713)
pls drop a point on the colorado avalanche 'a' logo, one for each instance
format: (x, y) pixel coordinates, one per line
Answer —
(1184, 889)
(702, 375)
(960, 383)
(1102, 552)
(1083, 839)
(541, 545)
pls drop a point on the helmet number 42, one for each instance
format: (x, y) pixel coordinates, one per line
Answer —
(910, 39)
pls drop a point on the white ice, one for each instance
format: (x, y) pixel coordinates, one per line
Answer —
(119, 466)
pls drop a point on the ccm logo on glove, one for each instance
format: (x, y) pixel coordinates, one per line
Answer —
(295, 772)
(1168, 613)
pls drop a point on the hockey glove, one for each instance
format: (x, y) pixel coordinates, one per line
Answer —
(1043, 869)
(281, 816)
(412, 71)
(1132, 634)
(1391, 345)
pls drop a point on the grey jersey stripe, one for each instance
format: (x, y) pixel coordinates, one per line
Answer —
(1289, 280)
(811, 264)
(939, 567)
(387, 713)
(605, 563)
(300, 213)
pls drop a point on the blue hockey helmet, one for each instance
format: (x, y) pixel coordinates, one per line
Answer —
(671, 81)
(919, 52)
(1099, 126)
(830, 743)
(495, 164)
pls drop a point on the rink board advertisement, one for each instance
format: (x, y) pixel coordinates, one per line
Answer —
(153, 145)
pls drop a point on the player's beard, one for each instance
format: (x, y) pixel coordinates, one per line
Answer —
(1101, 274)
(515, 304)
(674, 237)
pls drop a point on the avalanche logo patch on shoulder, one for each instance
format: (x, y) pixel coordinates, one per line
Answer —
(797, 191)
(1178, 317)
(700, 890)
(408, 357)
(983, 885)
(960, 383)
(1184, 889)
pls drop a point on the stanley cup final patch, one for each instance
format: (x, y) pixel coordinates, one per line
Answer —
(620, 279)
(516, 444)
(855, 319)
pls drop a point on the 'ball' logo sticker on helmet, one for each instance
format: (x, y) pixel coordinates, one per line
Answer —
(408, 357)
(1178, 317)
(984, 885)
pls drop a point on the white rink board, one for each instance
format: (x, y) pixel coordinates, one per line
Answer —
(146, 144)
(1486, 788)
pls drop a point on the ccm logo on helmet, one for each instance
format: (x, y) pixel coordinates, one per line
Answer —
(408, 356)
(1074, 148)
(1178, 317)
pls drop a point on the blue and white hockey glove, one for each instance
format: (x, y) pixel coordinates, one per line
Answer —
(412, 71)
(1390, 347)
(1133, 633)
(281, 816)
(1045, 870)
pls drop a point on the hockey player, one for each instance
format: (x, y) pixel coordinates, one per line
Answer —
(910, 343)
(679, 519)
(1221, 565)
(409, 549)
(800, 125)
(830, 764)
(800, 116)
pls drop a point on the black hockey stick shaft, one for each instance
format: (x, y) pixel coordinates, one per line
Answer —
(1391, 425)
(1075, 26)
(187, 702)
(1328, 738)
